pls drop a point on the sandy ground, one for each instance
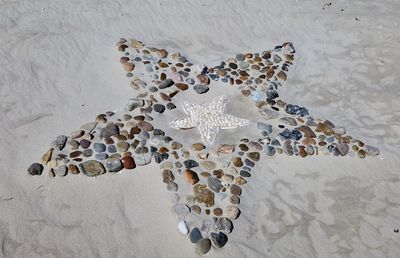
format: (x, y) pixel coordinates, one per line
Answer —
(59, 69)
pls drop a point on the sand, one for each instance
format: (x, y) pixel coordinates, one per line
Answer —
(59, 69)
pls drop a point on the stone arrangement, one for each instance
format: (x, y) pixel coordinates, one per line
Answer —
(205, 181)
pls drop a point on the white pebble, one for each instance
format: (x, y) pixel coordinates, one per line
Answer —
(183, 228)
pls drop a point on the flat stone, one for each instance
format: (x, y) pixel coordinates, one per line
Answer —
(122, 146)
(59, 142)
(84, 143)
(167, 176)
(61, 171)
(134, 103)
(35, 169)
(173, 187)
(255, 156)
(269, 150)
(198, 146)
(201, 89)
(166, 83)
(101, 156)
(190, 164)
(219, 239)
(195, 235)
(73, 169)
(146, 126)
(288, 120)
(371, 150)
(87, 153)
(190, 177)
(223, 224)
(208, 164)
(92, 168)
(307, 131)
(237, 162)
(109, 130)
(226, 149)
(113, 164)
(232, 212)
(264, 127)
(159, 108)
(343, 148)
(203, 195)
(236, 190)
(99, 147)
(214, 184)
(182, 227)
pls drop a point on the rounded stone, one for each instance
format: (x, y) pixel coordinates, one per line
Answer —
(208, 164)
(122, 146)
(159, 108)
(61, 170)
(203, 246)
(198, 146)
(114, 164)
(182, 227)
(87, 153)
(196, 209)
(195, 235)
(217, 212)
(128, 162)
(201, 89)
(236, 190)
(99, 147)
(92, 168)
(237, 162)
(101, 156)
(173, 187)
(84, 143)
(214, 184)
(190, 177)
(73, 169)
(167, 176)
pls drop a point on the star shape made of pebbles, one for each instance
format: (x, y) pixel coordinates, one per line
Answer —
(209, 118)
(203, 182)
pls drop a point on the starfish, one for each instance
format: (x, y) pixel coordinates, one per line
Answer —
(209, 118)
(122, 141)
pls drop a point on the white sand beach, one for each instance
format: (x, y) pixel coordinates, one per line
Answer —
(59, 69)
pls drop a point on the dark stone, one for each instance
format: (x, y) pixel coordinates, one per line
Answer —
(166, 83)
(219, 239)
(190, 163)
(195, 235)
(108, 131)
(159, 108)
(35, 169)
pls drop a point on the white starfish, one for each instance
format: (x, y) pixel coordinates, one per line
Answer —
(209, 118)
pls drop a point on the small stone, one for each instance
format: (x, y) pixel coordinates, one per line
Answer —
(243, 147)
(226, 149)
(219, 239)
(166, 83)
(203, 195)
(196, 209)
(190, 177)
(92, 168)
(244, 173)
(234, 199)
(269, 150)
(208, 164)
(203, 246)
(61, 171)
(236, 190)
(85, 143)
(198, 146)
(361, 154)
(217, 212)
(146, 126)
(52, 163)
(134, 103)
(255, 156)
(190, 164)
(77, 134)
(87, 153)
(201, 89)
(205, 174)
(159, 108)
(99, 147)
(288, 120)
(195, 235)
(35, 169)
(167, 176)
(181, 211)
(240, 181)
(237, 162)
(73, 169)
(307, 131)
(343, 148)
(176, 145)
(101, 156)
(114, 164)
(264, 127)
(214, 184)
(181, 86)
(227, 178)
(203, 79)
(218, 173)
(46, 157)
(108, 131)
(223, 224)
(183, 228)
(371, 150)
(302, 151)
(59, 142)
(122, 146)
(128, 162)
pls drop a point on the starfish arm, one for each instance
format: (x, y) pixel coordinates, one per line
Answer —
(190, 108)
(208, 133)
(217, 105)
(230, 122)
(183, 123)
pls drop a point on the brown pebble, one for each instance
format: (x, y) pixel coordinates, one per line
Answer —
(236, 190)
(128, 162)
(218, 173)
(198, 146)
(203, 79)
(217, 212)
(361, 153)
(190, 176)
(128, 66)
(237, 162)
(73, 169)
(196, 209)
(207, 211)
(181, 86)
(75, 154)
(240, 181)
(234, 199)
(205, 174)
(302, 151)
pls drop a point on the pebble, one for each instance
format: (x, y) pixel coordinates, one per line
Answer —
(203, 195)
(343, 148)
(73, 169)
(167, 176)
(255, 156)
(302, 151)
(219, 239)
(109, 130)
(35, 169)
(190, 163)
(111, 149)
(223, 224)
(134, 103)
(159, 108)
(288, 120)
(128, 162)
(99, 147)
(201, 89)
(182, 86)
(61, 170)
(234, 199)
(59, 142)
(227, 178)
(218, 212)
(203, 79)
(371, 150)
(92, 168)
(203, 246)
(182, 227)
(269, 150)
(236, 190)
(122, 146)
(208, 164)
(190, 177)
(214, 184)
(166, 83)
(113, 164)
(288, 148)
(244, 173)
(128, 66)
(198, 146)
(195, 235)
(226, 148)
(89, 126)
(264, 127)
(181, 211)
(146, 126)
(87, 153)
(361, 154)
(237, 162)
